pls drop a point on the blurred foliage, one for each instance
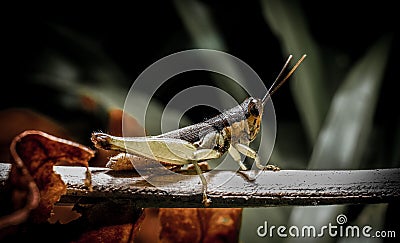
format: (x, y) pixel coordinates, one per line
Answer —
(340, 111)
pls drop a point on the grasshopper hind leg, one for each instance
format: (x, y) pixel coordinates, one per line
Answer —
(206, 201)
(197, 156)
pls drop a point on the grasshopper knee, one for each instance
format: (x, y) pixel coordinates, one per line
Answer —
(246, 150)
(205, 154)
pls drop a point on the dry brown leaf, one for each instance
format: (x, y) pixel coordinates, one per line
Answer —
(35, 187)
(109, 222)
(200, 224)
(112, 234)
(180, 225)
(221, 224)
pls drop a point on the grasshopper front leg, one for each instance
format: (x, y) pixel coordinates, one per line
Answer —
(236, 157)
(247, 151)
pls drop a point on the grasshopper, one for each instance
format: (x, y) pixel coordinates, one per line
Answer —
(231, 131)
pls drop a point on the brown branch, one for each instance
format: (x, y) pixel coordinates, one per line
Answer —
(231, 189)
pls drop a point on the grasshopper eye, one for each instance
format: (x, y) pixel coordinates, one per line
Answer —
(253, 109)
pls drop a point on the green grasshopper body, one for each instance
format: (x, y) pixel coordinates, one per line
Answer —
(231, 131)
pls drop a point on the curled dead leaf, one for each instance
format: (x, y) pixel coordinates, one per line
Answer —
(34, 186)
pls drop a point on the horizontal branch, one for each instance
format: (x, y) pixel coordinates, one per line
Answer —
(230, 188)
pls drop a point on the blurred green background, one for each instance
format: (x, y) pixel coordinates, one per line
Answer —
(339, 110)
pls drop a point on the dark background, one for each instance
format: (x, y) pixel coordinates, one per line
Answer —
(133, 37)
(104, 43)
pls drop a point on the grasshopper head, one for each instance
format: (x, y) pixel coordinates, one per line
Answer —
(253, 109)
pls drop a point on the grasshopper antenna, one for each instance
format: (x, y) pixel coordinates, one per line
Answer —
(274, 88)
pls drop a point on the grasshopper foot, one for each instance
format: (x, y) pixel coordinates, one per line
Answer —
(248, 176)
(272, 167)
(206, 201)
